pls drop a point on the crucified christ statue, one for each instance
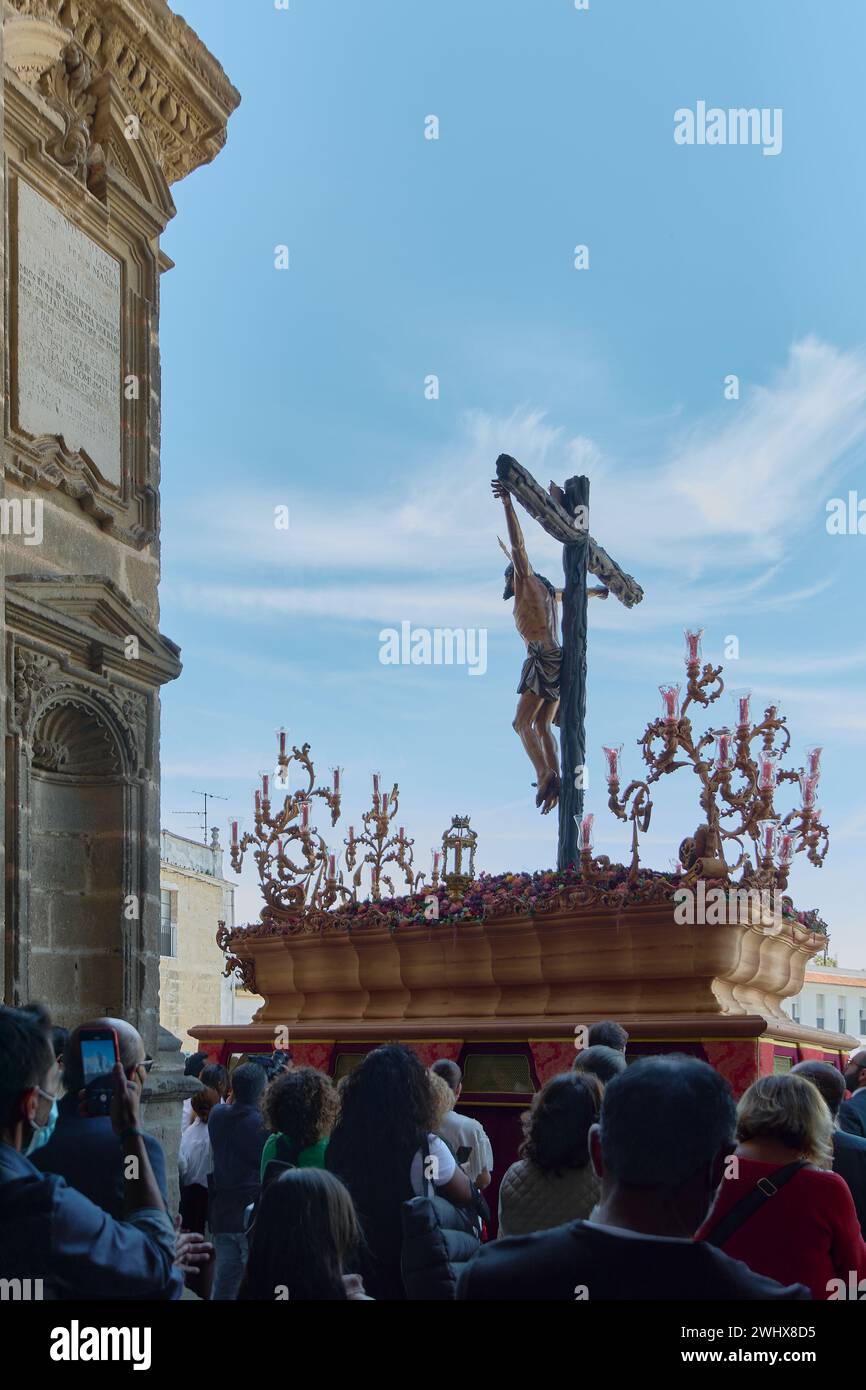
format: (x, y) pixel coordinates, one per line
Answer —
(552, 685)
(537, 620)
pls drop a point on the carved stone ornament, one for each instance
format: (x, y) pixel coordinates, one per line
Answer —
(168, 78)
(48, 705)
(66, 88)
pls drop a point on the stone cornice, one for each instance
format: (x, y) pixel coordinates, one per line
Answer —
(165, 74)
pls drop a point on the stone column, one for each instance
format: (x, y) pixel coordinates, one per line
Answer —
(167, 1089)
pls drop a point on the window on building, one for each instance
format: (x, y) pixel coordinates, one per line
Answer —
(843, 1014)
(863, 1019)
(795, 1010)
(819, 1011)
(168, 922)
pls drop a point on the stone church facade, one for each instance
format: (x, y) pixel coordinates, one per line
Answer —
(106, 104)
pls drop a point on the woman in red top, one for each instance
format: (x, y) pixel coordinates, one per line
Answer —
(806, 1232)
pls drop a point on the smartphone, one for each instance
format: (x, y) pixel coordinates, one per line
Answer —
(99, 1055)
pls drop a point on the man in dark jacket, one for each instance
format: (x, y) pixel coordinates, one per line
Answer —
(237, 1137)
(849, 1150)
(83, 1148)
(55, 1243)
(852, 1113)
(667, 1125)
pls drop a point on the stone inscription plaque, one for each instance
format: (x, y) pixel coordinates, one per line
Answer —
(68, 322)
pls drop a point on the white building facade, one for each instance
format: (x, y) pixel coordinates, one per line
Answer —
(832, 997)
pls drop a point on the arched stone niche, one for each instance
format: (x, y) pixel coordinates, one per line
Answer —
(77, 849)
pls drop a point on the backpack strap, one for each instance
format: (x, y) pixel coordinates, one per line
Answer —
(765, 1188)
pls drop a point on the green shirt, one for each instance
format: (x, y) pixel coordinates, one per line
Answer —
(311, 1157)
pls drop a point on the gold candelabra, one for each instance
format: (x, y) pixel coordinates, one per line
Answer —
(296, 868)
(377, 846)
(738, 784)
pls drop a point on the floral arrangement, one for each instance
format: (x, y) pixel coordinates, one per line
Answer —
(491, 896)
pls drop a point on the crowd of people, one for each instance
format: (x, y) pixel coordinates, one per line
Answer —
(633, 1181)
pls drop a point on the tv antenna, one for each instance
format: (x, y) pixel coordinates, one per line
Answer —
(202, 815)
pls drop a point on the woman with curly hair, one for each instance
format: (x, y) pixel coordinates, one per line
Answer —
(553, 1180)
(385, 1152)
(299, 1108)
(303, 1240)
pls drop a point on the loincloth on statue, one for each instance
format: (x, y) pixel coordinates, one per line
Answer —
(540, 672)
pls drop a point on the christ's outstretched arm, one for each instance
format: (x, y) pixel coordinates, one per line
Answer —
(520, 559)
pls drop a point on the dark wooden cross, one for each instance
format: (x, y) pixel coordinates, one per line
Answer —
(566, 518)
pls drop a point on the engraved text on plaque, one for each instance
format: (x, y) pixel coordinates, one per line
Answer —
(68, 321)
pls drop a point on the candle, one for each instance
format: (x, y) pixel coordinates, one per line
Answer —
(332, 866)
(809, 791)
(693, 645)
(401, 834)
(786, 848)
(813, 762)
(743, 713)
(258, 802)
(336, 780)
(612, 755)
(281, 735)
(671, 700)
(435, 863)
(375, 784)
(266, 787)
(767, 832)
(234, 833)
(723, 748)
(351, 833)
(305, 815)
(584, 832)
(767, 771)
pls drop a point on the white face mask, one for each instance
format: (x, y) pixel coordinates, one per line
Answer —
(42, 1133)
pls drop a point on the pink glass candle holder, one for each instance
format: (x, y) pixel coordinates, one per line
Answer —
(305, 814)
(612, 758)
(785, 848)
(767, 771)
(436, 858)
(233, 831)
(337, 771)
(258, 802)
(693, 645)
(671, 702)
(813, 763)
(281, 740)
(724, 753)
(742, 703)
(767, 833)
(808, 791)
(266, 786)
(332, 866)
(584, 832)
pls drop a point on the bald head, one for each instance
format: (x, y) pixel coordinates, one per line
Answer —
(828, 1080)
(129, 1042)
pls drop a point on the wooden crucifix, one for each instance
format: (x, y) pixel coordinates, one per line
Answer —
(553, 680)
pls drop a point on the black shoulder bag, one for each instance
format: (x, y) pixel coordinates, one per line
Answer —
(765, 1188)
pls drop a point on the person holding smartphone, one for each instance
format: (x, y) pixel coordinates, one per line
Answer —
(49, 1231)
(83, 1148)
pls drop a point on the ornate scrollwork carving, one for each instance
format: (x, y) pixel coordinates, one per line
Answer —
(66, 87)
(245, 970)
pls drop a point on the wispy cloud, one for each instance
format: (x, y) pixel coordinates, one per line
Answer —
(730, 493)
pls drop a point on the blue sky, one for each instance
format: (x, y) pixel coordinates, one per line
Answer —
(408, 257)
